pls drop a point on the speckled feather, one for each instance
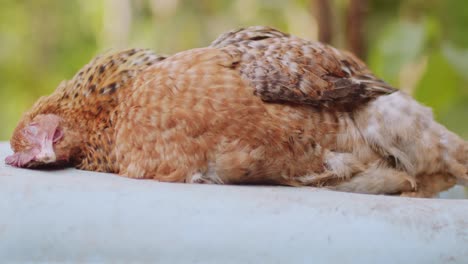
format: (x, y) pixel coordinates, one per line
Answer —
(209, 127)
(282, 67)
(208, 120)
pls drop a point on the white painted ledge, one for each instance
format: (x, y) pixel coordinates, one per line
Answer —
(77, 216)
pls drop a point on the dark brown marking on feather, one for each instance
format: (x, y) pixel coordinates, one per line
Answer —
(346, 63)
(313, 144)
(112, 88)
(99, 109)
(259, 38)
(92, 88)
(234, 64)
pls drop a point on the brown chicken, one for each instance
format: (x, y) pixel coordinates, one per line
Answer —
(256, 107)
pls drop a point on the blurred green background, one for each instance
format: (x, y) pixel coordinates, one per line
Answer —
(420, 46)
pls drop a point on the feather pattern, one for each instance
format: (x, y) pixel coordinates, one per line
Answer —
(256, 107)
(281, 67)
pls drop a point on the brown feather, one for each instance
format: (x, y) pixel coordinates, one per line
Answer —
(281, 67)
(257, 107)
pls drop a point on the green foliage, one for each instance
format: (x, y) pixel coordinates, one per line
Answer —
(418, 45)
(400, 43)
(438, 74)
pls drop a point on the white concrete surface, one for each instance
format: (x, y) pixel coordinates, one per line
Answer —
(77, 216)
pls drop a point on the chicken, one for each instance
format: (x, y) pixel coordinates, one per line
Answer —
(257, 106)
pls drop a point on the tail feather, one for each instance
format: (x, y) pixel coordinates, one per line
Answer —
(399, 127)
(456, 156)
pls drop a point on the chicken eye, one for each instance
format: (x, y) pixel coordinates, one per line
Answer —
(57, 135)
(31, 130)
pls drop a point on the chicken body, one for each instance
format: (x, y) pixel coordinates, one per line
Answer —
(256, 107)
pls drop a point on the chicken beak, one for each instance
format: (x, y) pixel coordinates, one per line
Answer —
(12, 160)
(20, 159)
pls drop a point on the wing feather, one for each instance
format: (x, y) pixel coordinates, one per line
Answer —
(282, 68)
